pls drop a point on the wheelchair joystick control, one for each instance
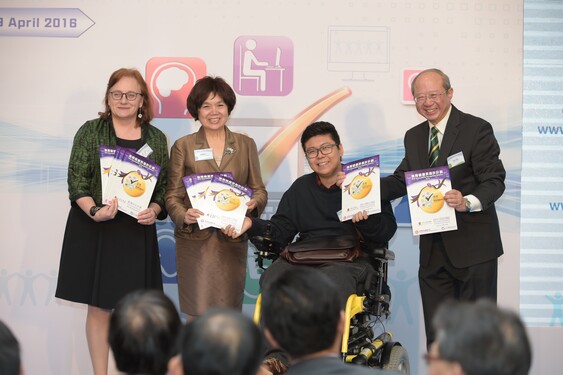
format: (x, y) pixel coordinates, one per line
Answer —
(266, 247)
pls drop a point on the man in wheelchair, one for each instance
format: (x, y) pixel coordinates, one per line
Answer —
(309, 210)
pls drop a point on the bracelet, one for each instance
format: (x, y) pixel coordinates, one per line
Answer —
(94, 209)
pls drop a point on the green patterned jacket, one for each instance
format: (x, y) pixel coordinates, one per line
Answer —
(84, 178)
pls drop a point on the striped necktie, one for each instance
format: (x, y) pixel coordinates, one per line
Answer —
(434, 147)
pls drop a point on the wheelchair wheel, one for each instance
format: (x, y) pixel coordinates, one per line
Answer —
(398, 360)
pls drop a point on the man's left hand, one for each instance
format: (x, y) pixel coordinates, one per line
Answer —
(454, 199)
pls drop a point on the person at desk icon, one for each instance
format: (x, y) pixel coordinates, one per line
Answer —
(250, 62)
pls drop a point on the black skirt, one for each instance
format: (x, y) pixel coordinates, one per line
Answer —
(102, 262)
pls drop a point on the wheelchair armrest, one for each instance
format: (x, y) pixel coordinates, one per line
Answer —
(380, 253)
(265, 245)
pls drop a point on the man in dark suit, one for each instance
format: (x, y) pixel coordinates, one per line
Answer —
(460, 264)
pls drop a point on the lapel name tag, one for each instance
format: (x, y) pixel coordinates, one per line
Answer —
(203, 154)
(456, 159)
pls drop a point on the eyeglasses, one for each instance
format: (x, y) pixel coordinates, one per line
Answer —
(433, 97)
(428, 358)
(312, 152)
(117, 95)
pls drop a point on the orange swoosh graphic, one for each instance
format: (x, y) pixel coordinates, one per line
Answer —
(275, 150)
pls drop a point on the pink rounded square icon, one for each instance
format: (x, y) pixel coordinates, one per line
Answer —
(263, 65)
(408, 76)
(170, 80)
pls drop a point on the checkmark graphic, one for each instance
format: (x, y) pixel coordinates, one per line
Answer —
(275, 150)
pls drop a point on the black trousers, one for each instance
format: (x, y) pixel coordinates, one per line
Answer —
(347, 275)
(440, 280)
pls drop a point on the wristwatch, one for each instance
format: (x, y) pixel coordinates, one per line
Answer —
(94, 209)
(467, 204)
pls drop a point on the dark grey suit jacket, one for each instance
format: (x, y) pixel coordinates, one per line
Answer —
(477, 238)
(331, 366)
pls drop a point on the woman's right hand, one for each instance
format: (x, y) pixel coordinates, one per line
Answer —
(107, 212)
(191, 215)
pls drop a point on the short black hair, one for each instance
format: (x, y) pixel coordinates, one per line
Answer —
(301, 309)
(482, 338)
(222, 341)
(319, 128)
(10, 361)
(210, 85)
(143, 331)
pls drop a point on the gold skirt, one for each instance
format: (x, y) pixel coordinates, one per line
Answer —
(211, 273)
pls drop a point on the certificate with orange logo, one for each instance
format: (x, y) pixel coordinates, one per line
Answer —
(196, 186)
(132, 180)
(107, 158)
(224, 203)
(428, 209)
(360, 189)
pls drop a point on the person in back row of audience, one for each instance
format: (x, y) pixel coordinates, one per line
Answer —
(478, 338)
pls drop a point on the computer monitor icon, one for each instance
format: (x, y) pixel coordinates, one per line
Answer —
(358, 50)
(278, 57)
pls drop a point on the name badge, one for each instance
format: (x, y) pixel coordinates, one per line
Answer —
(456, 159)
(203, 154)
(145, 151)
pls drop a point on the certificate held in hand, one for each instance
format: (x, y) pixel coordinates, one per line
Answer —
(427, 206)
(361, 187)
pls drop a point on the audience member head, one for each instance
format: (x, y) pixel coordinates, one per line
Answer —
(302, 313)
(220, 342)
(143, 331)
(10, 362)
(478, 338)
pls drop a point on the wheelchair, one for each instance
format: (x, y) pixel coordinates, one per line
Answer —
(365, 312)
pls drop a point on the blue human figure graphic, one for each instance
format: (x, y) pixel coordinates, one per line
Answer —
(400, 296)
(557, 301)
(52, 281)
(4, 290)
(28, 290)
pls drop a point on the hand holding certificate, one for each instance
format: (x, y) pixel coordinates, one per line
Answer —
(132, 179)
(196, 187)
(428, 209)
(361, 187)
(224, 203)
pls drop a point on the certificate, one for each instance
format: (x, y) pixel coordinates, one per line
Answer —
(427, 206)
(132, 180)
(196, 186)
(107, 155)
(361, 187)
(224, 203)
